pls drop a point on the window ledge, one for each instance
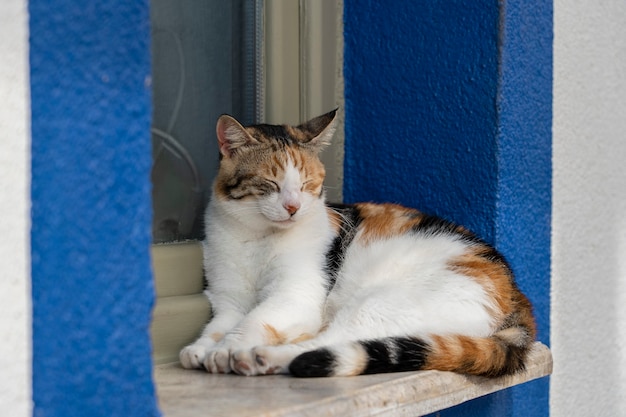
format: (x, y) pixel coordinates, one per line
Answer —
(191, 393)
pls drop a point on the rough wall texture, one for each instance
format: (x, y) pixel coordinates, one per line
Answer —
(421, 89)
(523, 213)
(91, 156)
(15, 318)
(589, 228)
(448, 109)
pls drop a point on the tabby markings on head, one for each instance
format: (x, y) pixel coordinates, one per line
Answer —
(256, 159)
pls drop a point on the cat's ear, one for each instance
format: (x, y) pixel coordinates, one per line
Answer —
(320, 130)
(231, 135)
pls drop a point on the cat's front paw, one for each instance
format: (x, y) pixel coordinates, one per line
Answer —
(217, 361)
(262, 360)
(193, 356)
(242, 363)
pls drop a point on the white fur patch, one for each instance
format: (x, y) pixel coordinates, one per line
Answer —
(402, 286)
(351, 359)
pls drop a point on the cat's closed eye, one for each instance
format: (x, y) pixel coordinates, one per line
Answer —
(265, 186)
(305, 183)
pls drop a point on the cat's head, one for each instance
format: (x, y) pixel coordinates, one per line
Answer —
(271, 174)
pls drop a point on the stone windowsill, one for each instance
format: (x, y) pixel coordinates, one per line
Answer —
(185, 393)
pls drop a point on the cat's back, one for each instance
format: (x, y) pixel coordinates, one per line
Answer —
(371, 233)
(387, 248)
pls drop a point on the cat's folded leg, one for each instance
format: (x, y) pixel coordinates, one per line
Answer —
(292, 326)
(291, 312)
(274, 351)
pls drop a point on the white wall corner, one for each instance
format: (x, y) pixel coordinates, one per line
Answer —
(15, 295)
(588, 318)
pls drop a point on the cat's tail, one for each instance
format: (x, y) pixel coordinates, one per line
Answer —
(502, 353)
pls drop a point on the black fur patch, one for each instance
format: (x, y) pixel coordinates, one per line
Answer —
(277, 133)
(316, 363)
(395, 354)
(433, 225)
(515, 357)
(492, 254)
(234, 183)
(351, 219)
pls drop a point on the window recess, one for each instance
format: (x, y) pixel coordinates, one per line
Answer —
(279, 62)
(207, 60)
(261, 61)
(266, 61)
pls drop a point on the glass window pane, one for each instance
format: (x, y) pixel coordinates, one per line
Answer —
(206, 61)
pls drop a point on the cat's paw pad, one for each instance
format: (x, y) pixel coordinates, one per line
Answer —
(193, 356)
(268, 362)
(217, 361)
(242, 363)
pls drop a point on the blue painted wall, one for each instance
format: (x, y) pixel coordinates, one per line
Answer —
(448, 109)
(421, 87)
(91, 212)
(525, 167)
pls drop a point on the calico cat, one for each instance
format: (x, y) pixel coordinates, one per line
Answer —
(298, 286)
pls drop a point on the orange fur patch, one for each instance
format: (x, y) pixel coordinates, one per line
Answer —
(273, 337)
(494, 277)
(513, 322)
(471, 355)
(302, 338)
(508, 301)
(312, 171)
(380, 221)
(217, 336)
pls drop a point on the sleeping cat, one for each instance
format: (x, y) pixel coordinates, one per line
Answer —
(298, 286)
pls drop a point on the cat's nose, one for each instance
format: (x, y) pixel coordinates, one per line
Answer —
(292, 207)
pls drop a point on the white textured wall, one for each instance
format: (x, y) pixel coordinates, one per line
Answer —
(589, 209)
(15, 322)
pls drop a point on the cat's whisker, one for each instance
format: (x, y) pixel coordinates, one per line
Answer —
(343, 224)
